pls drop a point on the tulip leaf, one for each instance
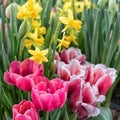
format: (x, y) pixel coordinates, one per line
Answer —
(96, 32)
(7, 117)
(65, 115)
(104, 115)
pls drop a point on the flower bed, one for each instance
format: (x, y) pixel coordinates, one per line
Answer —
(59, 59)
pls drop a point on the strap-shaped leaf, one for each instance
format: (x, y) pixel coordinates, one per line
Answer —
(104, 115)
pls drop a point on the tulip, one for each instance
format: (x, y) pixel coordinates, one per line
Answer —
(49, 95)
(13, 6)
(70, 71)
(101, 76)
(72, 53)
(21, 74)
(25, 110)
(4, 2)
(84, 98)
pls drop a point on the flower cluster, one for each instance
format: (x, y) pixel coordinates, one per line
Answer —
(88, 83)
(34, 37)
(84, 84)
(47, 95)
(42, 58)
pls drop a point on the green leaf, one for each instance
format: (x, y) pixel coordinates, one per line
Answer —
(5, 59)
(45, 15)
(65, 115)
(55, 115)
(104, 115)
(114, 40)
(95, 40)
(48, 36)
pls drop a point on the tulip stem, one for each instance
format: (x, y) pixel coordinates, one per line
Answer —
(29, 95)
(47, 116)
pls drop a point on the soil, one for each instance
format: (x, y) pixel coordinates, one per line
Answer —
(115, 103)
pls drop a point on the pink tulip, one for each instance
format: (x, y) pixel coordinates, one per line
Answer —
(84, 98)
(72, 53)
(25, 110)
(50, 95)
(101, 76)
(21, 74)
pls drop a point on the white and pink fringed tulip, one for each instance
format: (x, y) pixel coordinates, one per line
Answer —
(50, 95)
(25, 110)
(101, 76)
(70, 71)
(72, 53)
(84, 94)
(21, 74)
(83, 99)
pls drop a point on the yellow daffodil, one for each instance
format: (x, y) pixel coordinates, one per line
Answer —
(87, 3)
(72, 38)
(38, 56)
(69, 22)
(79, 6)
(39, 41)
(67, 6)
(42, 30)
(31, 9)
(35, 24)
(63, 42)
(34, 39)
(28, 43)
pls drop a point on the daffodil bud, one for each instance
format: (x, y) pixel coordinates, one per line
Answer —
(8, 9)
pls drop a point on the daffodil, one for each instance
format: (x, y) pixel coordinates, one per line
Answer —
(38, 56)
(72, 38)
(36, 24)
(28, 43)
(42, 30)
(34, 39)
(31, 9)
(63, 42)
(69, 22)
(79, 6)
(87, 3)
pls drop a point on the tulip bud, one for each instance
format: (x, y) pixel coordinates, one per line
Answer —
(4, 2)
(8, 9)
(22, 30)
